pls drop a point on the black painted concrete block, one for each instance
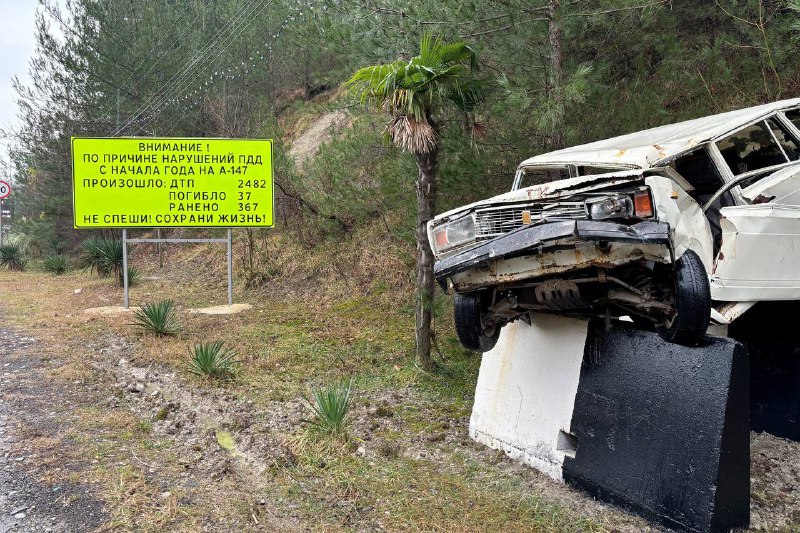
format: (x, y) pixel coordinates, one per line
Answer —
(663, 429)
(770, 334)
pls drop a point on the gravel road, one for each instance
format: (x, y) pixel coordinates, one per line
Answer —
(29, 411)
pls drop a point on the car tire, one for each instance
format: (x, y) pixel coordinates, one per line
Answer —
(469, 326)
(692, 302)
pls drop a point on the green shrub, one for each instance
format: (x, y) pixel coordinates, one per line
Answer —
(133, 276)
(212, 360)
(92, 257)
(56, 264)
(102, 256)
(11, 257)
(331, 407)
(158, 317)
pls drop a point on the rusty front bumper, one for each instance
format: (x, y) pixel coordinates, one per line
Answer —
(548, 237)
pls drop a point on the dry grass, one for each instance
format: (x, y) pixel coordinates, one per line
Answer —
(312, 333)
(337, 272)
(74, 371)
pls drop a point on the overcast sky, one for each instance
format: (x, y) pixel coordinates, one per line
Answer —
(16, 46)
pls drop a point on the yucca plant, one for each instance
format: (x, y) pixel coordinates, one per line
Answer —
(92, 257)
(102, 256)
(11, 257)
(56, 264)
(158, 318)
(213, 360)
(331, 407)
(111, 250)
(133, 276)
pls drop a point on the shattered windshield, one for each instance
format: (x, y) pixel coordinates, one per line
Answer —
(539, 175)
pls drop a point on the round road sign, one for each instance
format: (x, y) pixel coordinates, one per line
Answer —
(5, 189)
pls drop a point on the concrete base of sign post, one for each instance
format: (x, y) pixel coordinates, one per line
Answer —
(222, 309)
(657, 428)
(109, 310)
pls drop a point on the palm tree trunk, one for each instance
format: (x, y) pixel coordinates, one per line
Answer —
(426, 204)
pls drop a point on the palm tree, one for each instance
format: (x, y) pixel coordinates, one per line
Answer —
(411, 92)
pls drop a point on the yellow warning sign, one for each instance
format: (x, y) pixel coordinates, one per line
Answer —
(166, 182)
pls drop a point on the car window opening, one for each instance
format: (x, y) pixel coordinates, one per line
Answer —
(794, 116)
(761, 145)
(586, 170)
(543, 175)
(699, 170)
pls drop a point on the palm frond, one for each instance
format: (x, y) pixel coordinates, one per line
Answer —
(468, 94)
(458, 52)
(410, 90)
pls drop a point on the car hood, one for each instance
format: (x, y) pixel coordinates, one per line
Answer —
(554, 190)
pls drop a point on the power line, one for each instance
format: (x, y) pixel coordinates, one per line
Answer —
(198, 72)
(153, 49)
(225, 75)
(253, 60)
(185, 71)
(179, 77)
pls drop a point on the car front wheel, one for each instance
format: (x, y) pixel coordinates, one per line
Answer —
(692, 302)
(472, 332)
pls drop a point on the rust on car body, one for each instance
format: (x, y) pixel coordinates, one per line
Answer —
(719, 193)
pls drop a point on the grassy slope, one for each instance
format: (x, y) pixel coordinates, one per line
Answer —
(418, 469)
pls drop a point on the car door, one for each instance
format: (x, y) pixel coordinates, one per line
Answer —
(760, 247)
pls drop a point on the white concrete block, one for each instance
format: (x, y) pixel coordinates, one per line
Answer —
(526, 391)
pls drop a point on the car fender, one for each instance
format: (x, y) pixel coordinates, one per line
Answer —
(688, 223)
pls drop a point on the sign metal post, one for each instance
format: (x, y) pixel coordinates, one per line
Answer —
(5, 191)
(227, 240)
(230, 267)
(125, 265)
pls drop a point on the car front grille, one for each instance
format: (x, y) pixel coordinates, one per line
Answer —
(492, 222)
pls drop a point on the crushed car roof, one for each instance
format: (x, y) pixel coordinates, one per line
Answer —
(646, 148)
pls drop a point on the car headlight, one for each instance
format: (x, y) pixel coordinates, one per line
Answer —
(455, 233)
(637, 204)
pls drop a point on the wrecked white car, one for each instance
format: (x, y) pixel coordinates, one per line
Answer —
(671, 226)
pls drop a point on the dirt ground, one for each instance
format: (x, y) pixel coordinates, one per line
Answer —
(35, 412)
(43, 456)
